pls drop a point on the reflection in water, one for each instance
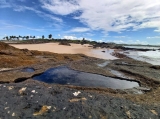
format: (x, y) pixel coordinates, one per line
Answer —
(103, 55)
(103, 64)
(64, 75)
(28, 70)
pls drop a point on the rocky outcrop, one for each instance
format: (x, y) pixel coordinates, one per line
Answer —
(64, 43)
(105, 45)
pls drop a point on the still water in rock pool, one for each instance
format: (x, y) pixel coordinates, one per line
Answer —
(28, 69)
(66, 76)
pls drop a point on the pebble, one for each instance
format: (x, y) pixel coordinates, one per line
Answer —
(49, 107)
(33, 91)
(154, 112)
(6, 108)
(10, 87)
(76, 93)
(13, 114)
(22, 90)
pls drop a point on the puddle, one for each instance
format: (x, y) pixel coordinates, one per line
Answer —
(117, 73)
(106, 54)
(29, 70)
(104, 64)
(67, 76)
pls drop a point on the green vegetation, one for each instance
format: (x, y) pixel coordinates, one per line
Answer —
(32, 40)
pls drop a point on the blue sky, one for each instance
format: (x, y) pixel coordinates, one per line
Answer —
(120, 21)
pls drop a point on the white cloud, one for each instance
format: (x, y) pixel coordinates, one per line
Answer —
(21, 0)
(4, 4)
(18, 8)
(61, 7)
(121, 37)
(79, 29)
(157, 30)
(15, 26)
(40, 13)
(89, 34)
(75, 38)
(118, 41)
(154, 37)
(110, 15)
(128, 42)
(72, 38)
(136, 42)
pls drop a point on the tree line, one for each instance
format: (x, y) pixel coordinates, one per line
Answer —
(25, 37)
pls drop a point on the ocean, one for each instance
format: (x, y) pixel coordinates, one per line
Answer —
(152, 57)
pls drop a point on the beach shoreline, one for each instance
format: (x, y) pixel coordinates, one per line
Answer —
(85, 49)
(41, 100)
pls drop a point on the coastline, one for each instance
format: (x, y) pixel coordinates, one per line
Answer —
(73, 49)
(41, 100)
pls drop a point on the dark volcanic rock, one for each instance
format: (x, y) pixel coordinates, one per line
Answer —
(155, 67)
(64, 43)
(136, 49)
(117, 46)
(40, 101)
(119, 55)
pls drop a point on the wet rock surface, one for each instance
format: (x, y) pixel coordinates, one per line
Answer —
(28, 69)
(36, 100)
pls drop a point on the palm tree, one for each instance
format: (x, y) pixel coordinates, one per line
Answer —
(6, 37)
(23, 37)
(14, 37)
(10, 37)
(50, 36)
(43, 37)
(27, 37)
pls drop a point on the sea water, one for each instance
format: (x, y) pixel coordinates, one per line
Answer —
(152, 57)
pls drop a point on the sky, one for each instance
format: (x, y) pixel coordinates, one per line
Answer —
(119, 21)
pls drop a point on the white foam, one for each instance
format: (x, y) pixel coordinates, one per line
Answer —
(150, 54)
(152, 57)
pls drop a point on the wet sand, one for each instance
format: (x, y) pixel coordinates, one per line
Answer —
(73, 49)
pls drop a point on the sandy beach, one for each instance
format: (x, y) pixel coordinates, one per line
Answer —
(73, 49)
